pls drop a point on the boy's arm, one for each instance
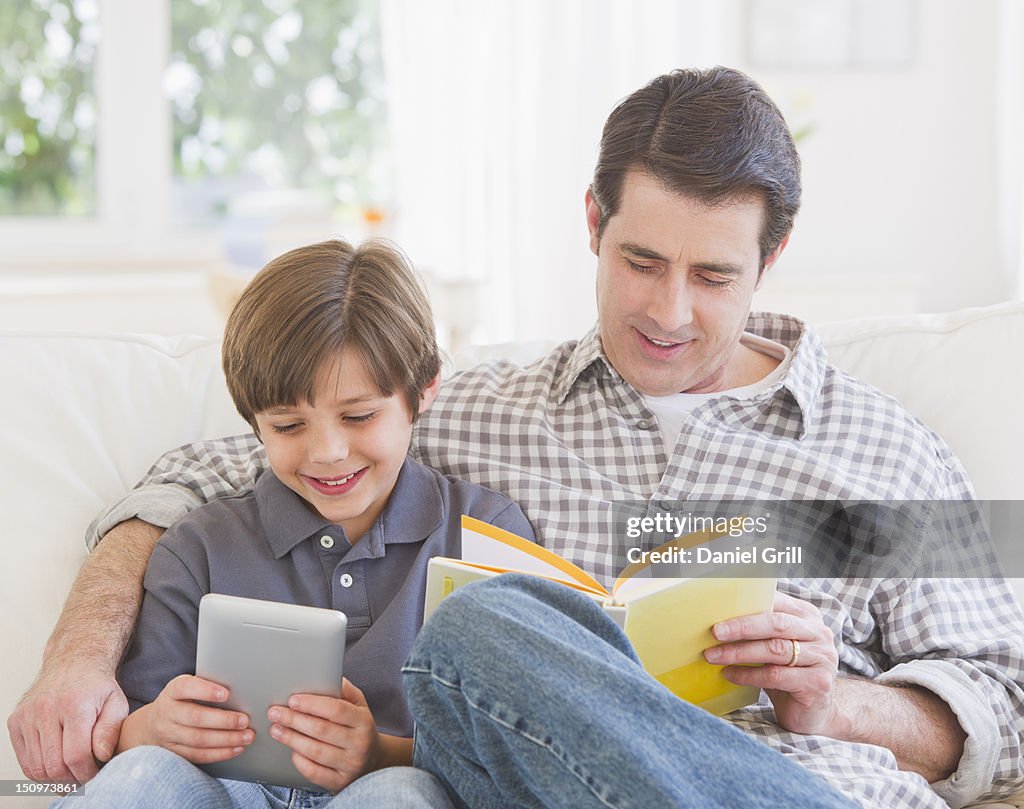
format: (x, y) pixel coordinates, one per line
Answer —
(71, 716)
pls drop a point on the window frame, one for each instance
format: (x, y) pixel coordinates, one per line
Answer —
(134, 166)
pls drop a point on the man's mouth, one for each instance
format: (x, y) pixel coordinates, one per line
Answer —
(661, 343)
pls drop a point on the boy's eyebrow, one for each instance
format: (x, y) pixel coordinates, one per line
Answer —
(365, 397)
(721, 267)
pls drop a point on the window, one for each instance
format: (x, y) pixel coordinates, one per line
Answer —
(48, 107)
(141, 123)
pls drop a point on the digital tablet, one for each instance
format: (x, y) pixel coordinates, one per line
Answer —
(263, 652)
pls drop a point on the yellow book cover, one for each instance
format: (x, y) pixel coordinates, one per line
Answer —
(668, 620)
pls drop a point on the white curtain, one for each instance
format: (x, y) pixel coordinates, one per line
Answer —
(497, 108)
(1011, 143)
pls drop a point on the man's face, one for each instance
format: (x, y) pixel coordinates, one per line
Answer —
(674, 283)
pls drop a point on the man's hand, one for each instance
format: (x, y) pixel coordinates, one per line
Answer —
(809, 697)
(801, 684)
(69, 719)
(202, 734)
(335, 740)
(67, 724)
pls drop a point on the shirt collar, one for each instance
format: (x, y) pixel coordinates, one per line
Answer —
(585, 353)
(413, 512)
(803, 380)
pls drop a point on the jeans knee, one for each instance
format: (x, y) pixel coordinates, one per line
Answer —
(145, 765)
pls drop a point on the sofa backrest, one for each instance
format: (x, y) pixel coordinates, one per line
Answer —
(86, 415)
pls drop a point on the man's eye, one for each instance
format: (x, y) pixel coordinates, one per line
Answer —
(285, 428)
(713, 282)
(642, 268)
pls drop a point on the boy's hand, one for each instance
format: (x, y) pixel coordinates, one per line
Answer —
(203, 734)
(335, 740)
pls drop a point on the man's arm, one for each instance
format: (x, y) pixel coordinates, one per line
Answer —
(917, 725)
(71, 716)
(799, 672)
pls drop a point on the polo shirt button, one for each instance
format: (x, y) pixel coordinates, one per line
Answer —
(327, 541)
(346, 580)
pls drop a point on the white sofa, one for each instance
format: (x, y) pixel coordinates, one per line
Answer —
(86, 415)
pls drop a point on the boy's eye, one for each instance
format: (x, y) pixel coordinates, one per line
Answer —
(361, 418)
(285, 428)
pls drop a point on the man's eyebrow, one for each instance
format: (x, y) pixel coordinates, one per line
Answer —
(639, 251)
(718, 267)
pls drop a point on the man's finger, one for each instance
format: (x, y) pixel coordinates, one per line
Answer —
(108, 726)
(76, 744)
(51, 740)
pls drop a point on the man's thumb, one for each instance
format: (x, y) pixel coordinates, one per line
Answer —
(107, 729)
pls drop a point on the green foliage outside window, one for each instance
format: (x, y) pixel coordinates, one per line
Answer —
(279, 94)
(47, 107)
(262, 94)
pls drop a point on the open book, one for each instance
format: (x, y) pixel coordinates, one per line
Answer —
(668, 620)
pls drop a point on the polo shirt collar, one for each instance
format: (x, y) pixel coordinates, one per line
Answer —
(803, 380)
(413, 512)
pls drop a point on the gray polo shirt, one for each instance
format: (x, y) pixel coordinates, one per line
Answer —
(269, 544)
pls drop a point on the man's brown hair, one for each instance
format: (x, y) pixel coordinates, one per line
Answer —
(713, 135)
(305, 306)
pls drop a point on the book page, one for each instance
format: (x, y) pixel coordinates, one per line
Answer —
(486, 545)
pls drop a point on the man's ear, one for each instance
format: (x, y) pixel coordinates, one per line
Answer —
(772, 258)
(593, 220)
(429, 393)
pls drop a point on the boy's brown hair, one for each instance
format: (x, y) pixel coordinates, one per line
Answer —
(305, 306)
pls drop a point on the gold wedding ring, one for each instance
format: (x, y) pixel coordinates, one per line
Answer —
(796, 653)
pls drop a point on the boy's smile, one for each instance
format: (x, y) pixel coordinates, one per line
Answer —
(343, 452)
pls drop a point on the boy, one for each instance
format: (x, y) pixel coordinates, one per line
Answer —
(330, 355)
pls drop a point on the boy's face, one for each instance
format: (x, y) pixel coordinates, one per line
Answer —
(342, 453)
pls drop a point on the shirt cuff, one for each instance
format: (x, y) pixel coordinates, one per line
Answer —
(159, 504)
(976, 770)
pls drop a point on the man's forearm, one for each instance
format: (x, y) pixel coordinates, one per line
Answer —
(916, 725)
(99, 614)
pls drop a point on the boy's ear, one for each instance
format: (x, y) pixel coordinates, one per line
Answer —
(429, 393)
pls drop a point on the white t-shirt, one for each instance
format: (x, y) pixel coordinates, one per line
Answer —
(672, 410)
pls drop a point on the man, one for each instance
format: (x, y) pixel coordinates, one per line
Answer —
(876, 688)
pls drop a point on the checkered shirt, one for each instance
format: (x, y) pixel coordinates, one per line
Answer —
(566, 436)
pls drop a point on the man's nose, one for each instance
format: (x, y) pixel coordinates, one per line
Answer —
(671, 306)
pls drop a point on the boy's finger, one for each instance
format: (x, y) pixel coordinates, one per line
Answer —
(204, 739)
(350, 693)
(192, 714)
(188, 686)
(338, 711)
(206, 755)
(315, 727)
(316, 748)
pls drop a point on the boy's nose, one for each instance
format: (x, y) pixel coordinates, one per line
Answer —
(328, 447)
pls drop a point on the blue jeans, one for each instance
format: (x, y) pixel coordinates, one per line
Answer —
(525, 694)
(155, 778)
